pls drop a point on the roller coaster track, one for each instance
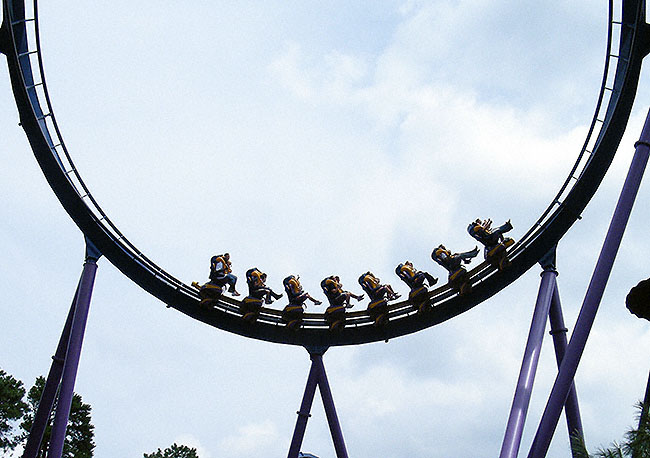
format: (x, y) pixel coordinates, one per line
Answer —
(20, 42)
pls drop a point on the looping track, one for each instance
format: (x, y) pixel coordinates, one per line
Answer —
(19, 40)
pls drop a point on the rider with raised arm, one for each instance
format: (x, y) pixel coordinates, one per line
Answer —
(379, 296)
(453, 262)
(493, 240)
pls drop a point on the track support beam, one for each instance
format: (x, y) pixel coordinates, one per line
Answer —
(73, 354)
(519, 409)
(48, 396)
(548, 302)
(593, 296)
(63, 371)
(317, 376)
(558, 331)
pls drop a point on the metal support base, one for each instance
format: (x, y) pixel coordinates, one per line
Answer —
(317, 376)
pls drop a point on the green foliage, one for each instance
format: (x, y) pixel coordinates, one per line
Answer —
(12, 408)
(638, 440)
(635, 445)
(615, 451)
(578, 447)
(79, 438)
(175, 451)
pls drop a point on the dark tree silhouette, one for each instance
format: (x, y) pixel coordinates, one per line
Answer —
(175, 451)
(79, 438)
(12, 409)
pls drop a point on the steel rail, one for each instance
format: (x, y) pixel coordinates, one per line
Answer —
(20, 41)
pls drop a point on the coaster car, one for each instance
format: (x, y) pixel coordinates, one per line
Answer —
(221, 273)
(417, 281)
(293, 313)
(497, 255)
(335, 317)
(493, 240)
(379, 296)
(250, 308)
(338, 299)
(258, 294)
(209, 293)
(458, 276)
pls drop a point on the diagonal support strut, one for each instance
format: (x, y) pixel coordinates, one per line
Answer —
(593, 296)
(63, 371)
(317, 376)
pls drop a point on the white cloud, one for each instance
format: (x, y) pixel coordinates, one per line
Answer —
(251, 439)
(404, 393)
(287, 68)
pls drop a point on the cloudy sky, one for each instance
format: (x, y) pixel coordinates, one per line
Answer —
(317, 139)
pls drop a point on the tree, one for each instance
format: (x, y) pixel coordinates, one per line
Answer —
(635, 445)
(638, 440)
(79, 437)
(12, 408)
(175, 451)
(579, 450)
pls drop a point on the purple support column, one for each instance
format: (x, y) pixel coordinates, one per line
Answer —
(643, 420)
(303, 413)
(558, 331)
(593, 297)
(515, 427)
(74, 352)
(330, 410)
(317, 376)
(46, 402)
